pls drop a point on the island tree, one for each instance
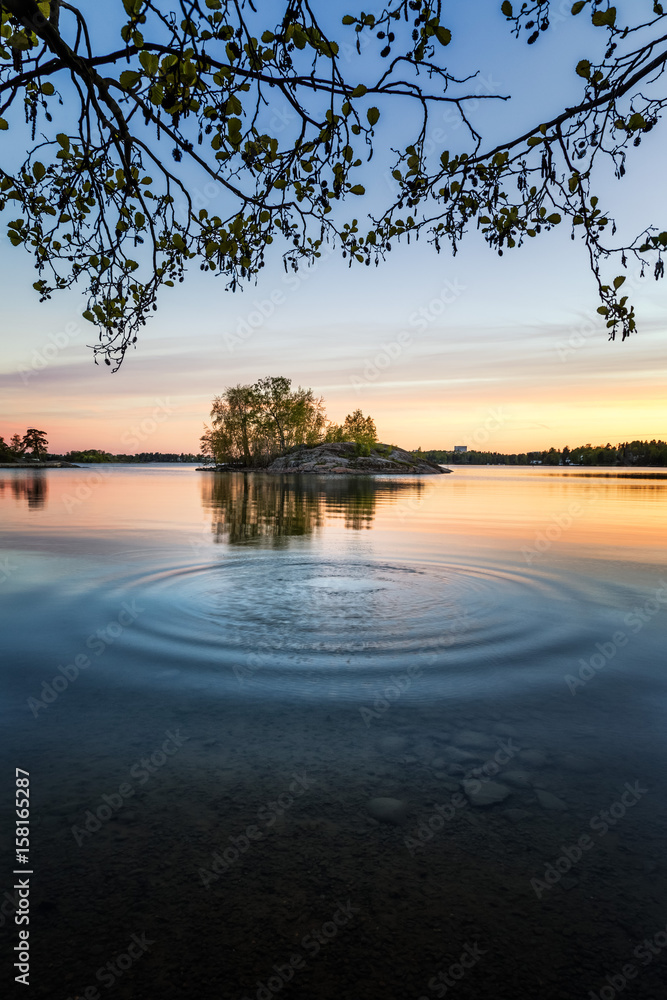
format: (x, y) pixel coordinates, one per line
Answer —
(35, 441)
(119, 128)
(251, 424)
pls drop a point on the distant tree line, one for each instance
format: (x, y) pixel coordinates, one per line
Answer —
(32, 445)
(93, 456)
(253, 424)
(628, 453)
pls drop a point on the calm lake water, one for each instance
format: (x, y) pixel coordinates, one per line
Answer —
(338, 737)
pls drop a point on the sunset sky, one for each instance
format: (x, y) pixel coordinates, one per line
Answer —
(508, 354)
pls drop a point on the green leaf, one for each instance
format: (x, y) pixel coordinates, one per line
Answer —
(129, 78)
(48, 89)
(63, 140)
(149, 61)
(554, 218)
(619, 281)
(604, 18)
(359, 90)
(535, 141)
(3, 125)
(38, 170)
(603, 310)
(443, 35)
(584, 69)
(507, 8)
(373, 116)
(348, 19)
(358, 189)
(578, 7)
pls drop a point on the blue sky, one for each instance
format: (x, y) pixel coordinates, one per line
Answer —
(431, 345)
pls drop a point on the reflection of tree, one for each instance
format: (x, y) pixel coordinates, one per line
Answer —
(271, 508)
(246, 507)
(32, 488)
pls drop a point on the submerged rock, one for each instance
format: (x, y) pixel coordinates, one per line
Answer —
(457, 756)
(533, 757)
(393, 744)
(476, 741)
(516, 815)
(485, 793)
(519, 779)
(388, 810)
(549, 801)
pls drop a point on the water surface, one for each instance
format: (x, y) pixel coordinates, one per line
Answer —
(211, 676)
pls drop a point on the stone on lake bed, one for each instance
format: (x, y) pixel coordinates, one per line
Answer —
(533, 757)
(504, 729)
(520, 779)
(457, 756)
(393, 744)
(516, 815)
(485, 793)
(478, 741)
(549, 801)
(388, 810)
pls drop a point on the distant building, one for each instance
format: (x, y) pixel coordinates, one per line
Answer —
(461, 447)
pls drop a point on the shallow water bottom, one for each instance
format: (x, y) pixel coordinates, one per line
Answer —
(236, 843)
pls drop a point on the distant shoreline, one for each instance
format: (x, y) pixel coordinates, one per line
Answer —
(38, 465)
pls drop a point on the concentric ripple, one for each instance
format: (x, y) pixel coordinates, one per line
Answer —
(276, 622)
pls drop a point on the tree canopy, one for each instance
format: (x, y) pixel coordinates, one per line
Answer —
(117, 129)
(252, 424)
(33, 440)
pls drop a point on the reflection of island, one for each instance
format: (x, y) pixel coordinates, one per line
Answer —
(30, 487)
(272, 508)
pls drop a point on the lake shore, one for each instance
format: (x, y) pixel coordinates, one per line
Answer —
(38, 465)
(342, 458)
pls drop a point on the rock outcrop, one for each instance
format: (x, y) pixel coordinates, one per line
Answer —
(341, 458)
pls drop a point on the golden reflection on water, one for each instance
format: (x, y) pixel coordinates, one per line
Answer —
(31, 488)
(274, 508)
(599, 511)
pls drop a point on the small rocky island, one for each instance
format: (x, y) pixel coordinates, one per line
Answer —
(343, 458)
(38, 465)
